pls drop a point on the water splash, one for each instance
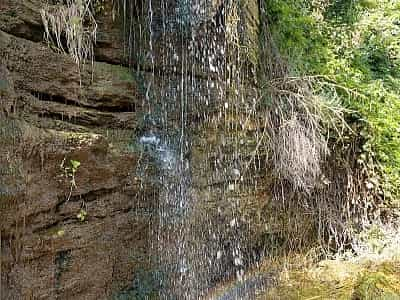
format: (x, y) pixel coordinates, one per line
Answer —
(161, 151)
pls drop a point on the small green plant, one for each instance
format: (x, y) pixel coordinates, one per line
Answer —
(82, 215)
(70, 172)
(74, 165)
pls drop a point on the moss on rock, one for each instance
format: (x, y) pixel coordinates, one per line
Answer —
(335, 279)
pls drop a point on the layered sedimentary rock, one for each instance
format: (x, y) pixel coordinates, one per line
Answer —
(61, 239)
(48, 250)
(48, 84)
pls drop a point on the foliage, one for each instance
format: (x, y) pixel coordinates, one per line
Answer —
(355, 45)
(74, 165)
(69, 171)
(82, 215)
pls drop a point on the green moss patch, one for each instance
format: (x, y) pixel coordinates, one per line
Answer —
(341, 280)
(119, 72)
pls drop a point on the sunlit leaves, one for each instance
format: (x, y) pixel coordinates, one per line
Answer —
(356, 42)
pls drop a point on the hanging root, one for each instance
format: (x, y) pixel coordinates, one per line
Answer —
(75, 23)
(296, 133)
(297, 154)
(316, 176)
(306, 153)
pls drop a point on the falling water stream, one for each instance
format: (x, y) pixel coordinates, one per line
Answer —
(191, 86)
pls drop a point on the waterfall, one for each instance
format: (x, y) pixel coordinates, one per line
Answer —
(191, 86)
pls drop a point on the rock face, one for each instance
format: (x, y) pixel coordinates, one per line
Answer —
(49, 84)
(48, 250)
(67, 233)
(76, 218)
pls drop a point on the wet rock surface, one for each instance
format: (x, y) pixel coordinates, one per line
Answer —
(64, 237)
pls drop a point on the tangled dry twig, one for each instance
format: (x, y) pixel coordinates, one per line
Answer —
(73, 22)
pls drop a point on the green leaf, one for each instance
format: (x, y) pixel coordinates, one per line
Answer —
(75, 165)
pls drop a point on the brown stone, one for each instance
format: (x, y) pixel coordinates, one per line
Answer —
(47, 251)
(50, 84)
